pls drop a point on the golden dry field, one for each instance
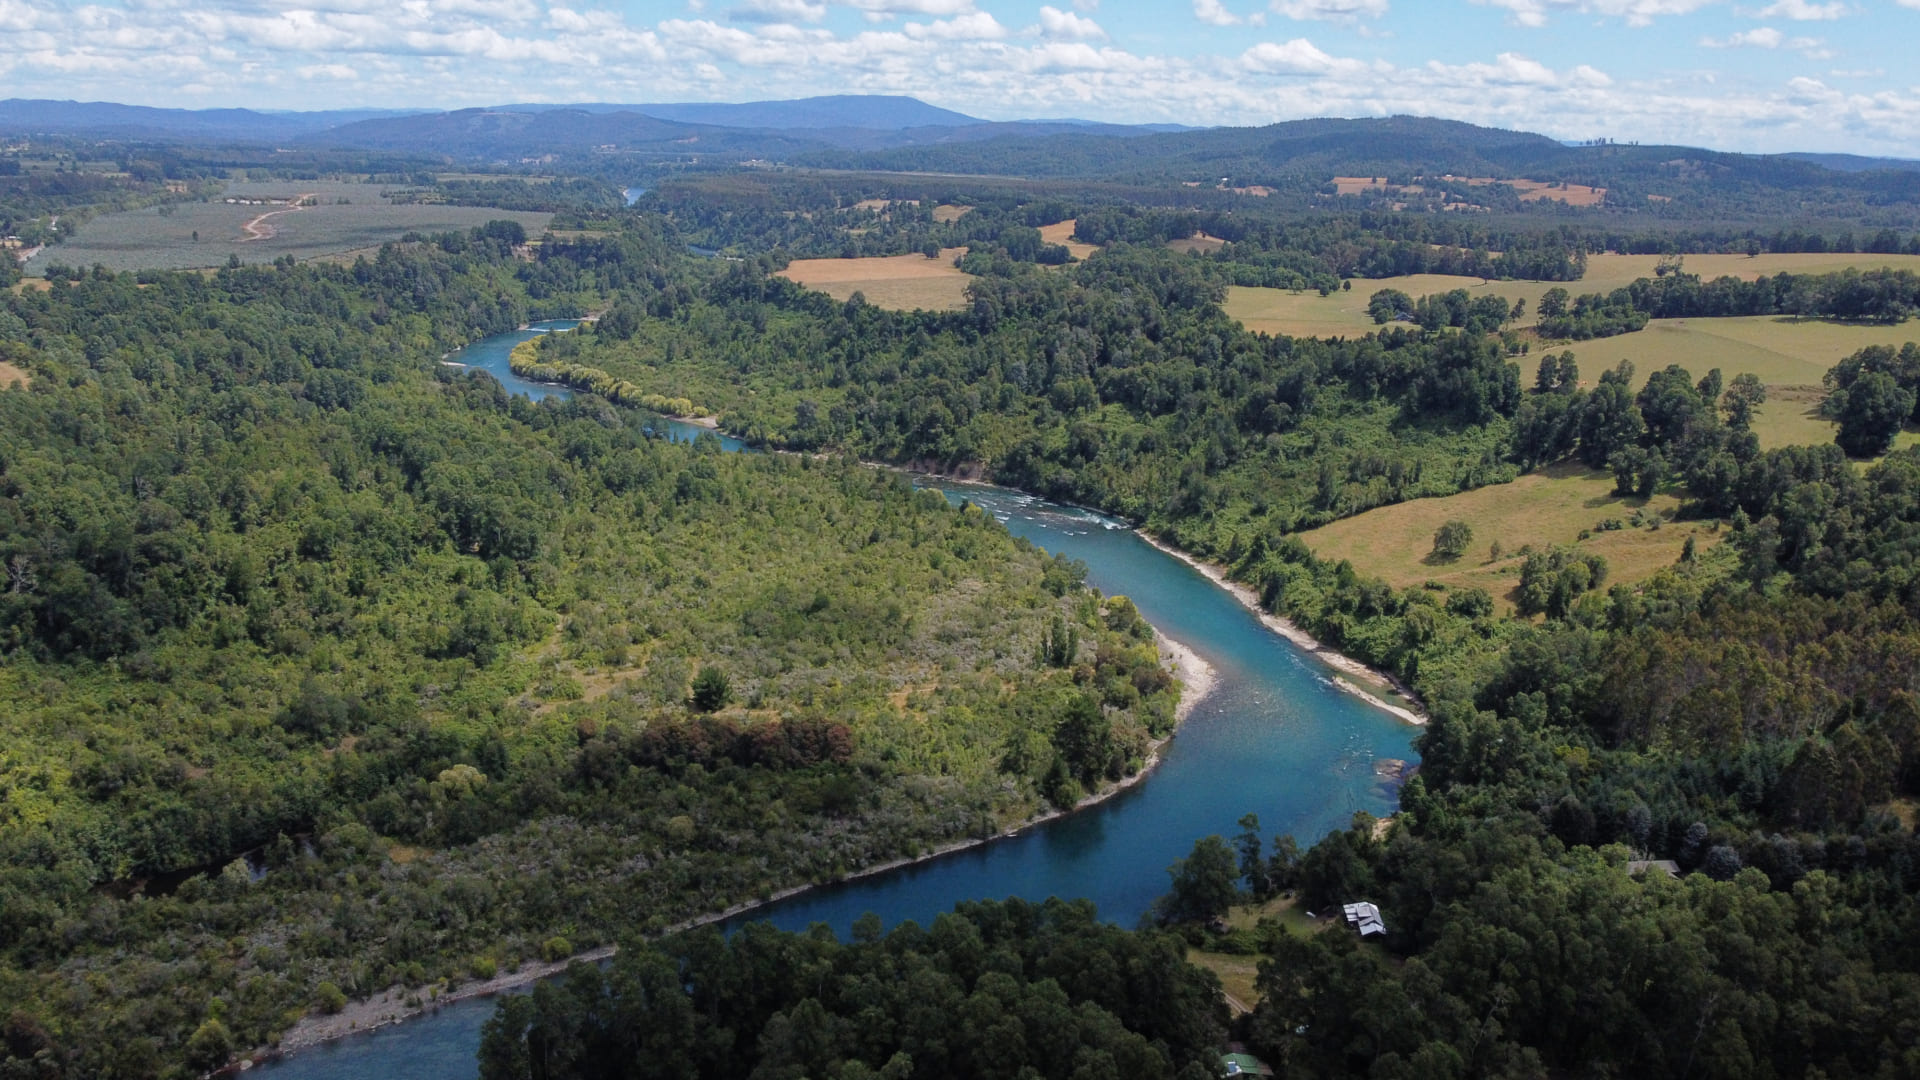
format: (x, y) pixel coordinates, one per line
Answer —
(1542, 509)
(946, 212)
(10, 374)
(896, 282)
(1062, 233)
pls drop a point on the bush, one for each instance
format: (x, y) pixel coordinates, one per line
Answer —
(484, 967)
(329, 998)
(556, 949)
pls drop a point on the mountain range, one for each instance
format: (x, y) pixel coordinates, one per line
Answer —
(847, 121)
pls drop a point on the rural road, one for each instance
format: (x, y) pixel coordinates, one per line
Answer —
(258, 229)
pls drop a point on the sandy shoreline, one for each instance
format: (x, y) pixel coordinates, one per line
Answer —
(1286, 629)
(1196, 677)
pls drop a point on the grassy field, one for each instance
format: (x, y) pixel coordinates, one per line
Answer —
(1344, 314)
(346, 216)
(1238, 972)
(897, 282)
(1062, 233)
(1789, 355)
(1542, 509)
(10, 374)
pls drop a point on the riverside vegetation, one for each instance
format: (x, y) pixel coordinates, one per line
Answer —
(512, 680)
(467, 680)
(1747, 713)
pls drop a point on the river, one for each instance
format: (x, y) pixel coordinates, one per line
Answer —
(1276, 737)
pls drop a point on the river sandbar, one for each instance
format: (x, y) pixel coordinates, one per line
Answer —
(1307, 642)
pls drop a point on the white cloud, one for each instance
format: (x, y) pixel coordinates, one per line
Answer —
(1331, 10)
(1215, 13)
(1296, 57)
(777, 11)
(1801, 10)
(889, 8)
(1764, 37)
(1635, 12)
(330, 53)
(1057, 23)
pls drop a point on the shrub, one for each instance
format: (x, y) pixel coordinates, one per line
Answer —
(329, 998)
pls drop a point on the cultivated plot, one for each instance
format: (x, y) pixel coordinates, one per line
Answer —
(263, 224)
(896, 282)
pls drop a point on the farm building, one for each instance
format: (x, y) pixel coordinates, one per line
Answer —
(1365, 918)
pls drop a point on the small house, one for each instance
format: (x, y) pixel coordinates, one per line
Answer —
(1365, 918)
(1240, 1063)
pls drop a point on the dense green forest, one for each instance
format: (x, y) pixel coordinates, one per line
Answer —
(376, 645)
(1118, 383)
(991, 991)
(330, 669)
(1749, 715)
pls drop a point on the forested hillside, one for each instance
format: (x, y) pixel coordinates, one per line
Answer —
(429, 680)
(1118, 384)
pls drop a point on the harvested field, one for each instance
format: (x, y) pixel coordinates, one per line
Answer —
(1062, 233)
(948, 212)
(344, 217)
(1544, 509)
(897, 282)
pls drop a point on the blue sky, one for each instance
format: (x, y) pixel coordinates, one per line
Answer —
(1767, 75)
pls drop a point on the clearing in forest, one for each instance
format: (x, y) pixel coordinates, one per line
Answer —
(947, 212)
(1200, 242)
(1789, 355)
(1062, 233)
(896, 282)
(1544, 509)
(12, 373)
(1344, 314)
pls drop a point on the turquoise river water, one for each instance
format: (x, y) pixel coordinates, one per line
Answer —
(1275, 737)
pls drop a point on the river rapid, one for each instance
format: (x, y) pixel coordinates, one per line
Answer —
(1276, 737)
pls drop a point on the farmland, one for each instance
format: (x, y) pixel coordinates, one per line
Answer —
(343, 217)
(1344, 314)
(897, 282)
(1543, 509)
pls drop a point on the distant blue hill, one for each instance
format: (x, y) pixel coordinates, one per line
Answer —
(47, 117)
(1856, 163)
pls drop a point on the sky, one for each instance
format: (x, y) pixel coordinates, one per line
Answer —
(1763, 75)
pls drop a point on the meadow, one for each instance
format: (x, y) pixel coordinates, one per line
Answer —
(344, 217)
(1344, 314)
(1062, 233)
(1549, 508)
(895, 282)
